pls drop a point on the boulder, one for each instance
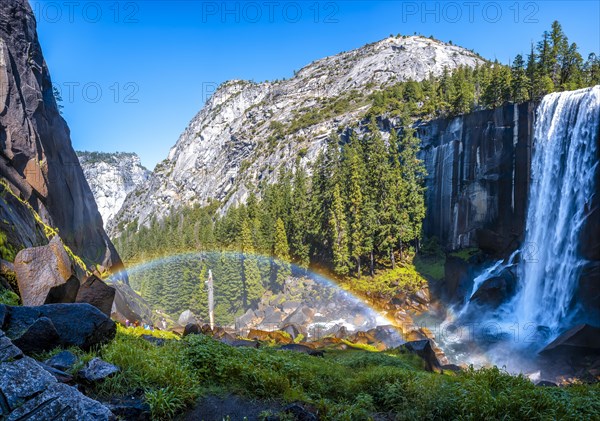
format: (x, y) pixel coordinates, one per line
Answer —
(133, 408)
(425, 351)
(154, 340)
(30, 392)
(77, 324)
(275, 336)
(40, 269)
(388, 335)
(245, 320)
(186, 318)
(64, 361)
(191, 329)
(580, 341)
(59, 375)
(39, 336)
(299, 412)
(495, 291)
(302, 316)
(304, 349)
(64, 293)
(97, 370)
(293, 330)
(338, 331)
(237, 343)
(128, 305)
(95, 292)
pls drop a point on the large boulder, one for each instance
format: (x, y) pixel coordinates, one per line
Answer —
(41, 328)
(580, 340)
(42, 273)
(95, 292)
(97, 370)
(29, 392)
(496, 290)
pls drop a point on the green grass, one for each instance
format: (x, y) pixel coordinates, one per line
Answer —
(344, 385)
(387, 282)
(430, 267)
(465, 254)
(8, 297)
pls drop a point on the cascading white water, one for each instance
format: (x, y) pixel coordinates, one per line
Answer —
(563, 167)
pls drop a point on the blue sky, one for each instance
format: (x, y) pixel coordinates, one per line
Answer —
(133, 74)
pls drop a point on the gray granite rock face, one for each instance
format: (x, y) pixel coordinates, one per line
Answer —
(36, 156)
(28, 391)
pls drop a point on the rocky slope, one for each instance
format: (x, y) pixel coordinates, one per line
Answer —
(37, 161)
(111, 177)
(248, 131)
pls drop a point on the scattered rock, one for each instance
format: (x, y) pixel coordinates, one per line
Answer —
(30, 392)
(95, 292)
(293, 330)
(276, 336)
(186, 318)
(59, 375)
(424, 349)
(97, 370)
(191, 329)
(302, 349)
(237, 343)
(79, 324)
(40, 269)
(299, 412)
(131, 408)
(546, 383)
(64, 361)
(154, 340)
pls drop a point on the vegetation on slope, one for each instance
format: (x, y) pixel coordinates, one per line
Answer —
(344, 385)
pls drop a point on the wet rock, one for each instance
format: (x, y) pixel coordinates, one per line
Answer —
(64, 361)
(388, 335)
(41, 269)
(131, 408)
(302, 316)
(97, 370)
(95, 292)
(580, 341)
(589, 285)
(264, 336)
(186, 318)
(337, 331)
(81, 325)
(496, 290)
(424, 349)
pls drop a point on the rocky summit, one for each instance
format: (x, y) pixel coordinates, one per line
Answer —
(247, 130)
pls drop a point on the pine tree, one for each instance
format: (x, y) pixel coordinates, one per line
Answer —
(519, 81)
(253, 287)
(281, 255)
(300, 212)
(339, 231)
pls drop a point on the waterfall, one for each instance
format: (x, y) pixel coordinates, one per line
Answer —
(564, 162)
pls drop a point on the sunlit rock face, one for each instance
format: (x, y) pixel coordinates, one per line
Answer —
(244, 134)
(111, 177)
(37, 160)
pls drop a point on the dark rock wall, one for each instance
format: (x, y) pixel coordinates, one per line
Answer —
(36, 156)
(478, 169)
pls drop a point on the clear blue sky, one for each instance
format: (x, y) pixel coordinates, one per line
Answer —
(133, 74)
